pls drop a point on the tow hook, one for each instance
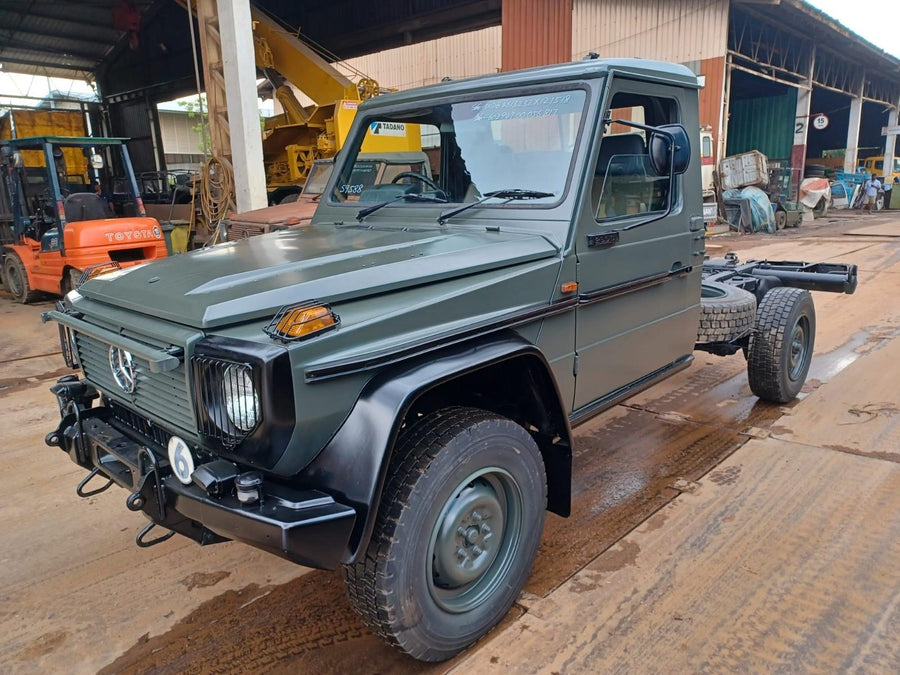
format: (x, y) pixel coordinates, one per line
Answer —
(143, 542)
(80, 490)
(135, 501)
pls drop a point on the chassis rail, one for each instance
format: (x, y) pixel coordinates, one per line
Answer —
(760, 276)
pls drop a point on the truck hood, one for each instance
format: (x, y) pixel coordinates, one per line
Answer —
(251, 279)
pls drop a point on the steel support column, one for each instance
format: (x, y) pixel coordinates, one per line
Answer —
(239, 69)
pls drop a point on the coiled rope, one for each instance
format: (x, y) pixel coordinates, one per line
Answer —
(216, 195)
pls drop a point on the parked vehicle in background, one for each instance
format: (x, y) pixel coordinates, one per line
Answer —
(56, 222)
(876, 165)
(392, 388)
(295, 208)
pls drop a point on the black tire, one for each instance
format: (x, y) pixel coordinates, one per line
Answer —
(16, 279)
(425, 585)
(780, 220)
(781, 344)
(821, 208)
(726, 312)
(814, 171)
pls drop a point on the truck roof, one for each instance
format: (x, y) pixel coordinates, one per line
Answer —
(644, 69)
(38, 141)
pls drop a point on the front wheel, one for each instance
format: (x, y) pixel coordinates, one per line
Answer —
(15, 277)
(781, 344)
(456, 535)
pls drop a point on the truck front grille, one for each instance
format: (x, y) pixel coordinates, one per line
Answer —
(162, 397)
(239, 230)
(141, 425)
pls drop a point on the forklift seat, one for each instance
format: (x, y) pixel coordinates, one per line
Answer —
(86, 206)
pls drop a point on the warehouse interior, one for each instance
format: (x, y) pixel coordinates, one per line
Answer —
(358, 376)
(775, 83)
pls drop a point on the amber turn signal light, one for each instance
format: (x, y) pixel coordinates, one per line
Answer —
(569, 287)
(295, 322)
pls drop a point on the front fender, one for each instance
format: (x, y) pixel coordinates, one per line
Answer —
(353, 466)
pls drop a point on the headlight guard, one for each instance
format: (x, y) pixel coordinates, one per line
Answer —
(244, 399)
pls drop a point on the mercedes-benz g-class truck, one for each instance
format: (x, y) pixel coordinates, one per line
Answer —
(392, 389)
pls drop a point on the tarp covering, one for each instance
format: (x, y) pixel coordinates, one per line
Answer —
(760, 207)
(814, 189)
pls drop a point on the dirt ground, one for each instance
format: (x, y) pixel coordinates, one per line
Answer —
(710, 532)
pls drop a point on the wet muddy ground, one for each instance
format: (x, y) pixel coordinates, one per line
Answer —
(76, 594)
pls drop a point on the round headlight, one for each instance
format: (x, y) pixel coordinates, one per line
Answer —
(241, 400)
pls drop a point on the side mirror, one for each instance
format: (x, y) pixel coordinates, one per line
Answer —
(96, 161)
(659, 149)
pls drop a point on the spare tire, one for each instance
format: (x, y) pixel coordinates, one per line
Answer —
(726, 312)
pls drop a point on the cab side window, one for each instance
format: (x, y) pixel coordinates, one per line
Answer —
(624, 181)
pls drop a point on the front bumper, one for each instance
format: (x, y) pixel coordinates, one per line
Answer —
(305, 526)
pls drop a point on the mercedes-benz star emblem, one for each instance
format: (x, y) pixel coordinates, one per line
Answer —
(121, 363)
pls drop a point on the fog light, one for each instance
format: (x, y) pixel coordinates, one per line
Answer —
(181, 460)
(249, 487)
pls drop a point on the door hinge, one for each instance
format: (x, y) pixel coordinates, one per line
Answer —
(604, 240)
(575, 366)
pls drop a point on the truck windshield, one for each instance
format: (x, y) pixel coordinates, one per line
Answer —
(318, 177)
(473, 147)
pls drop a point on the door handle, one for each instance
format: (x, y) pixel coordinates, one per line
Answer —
(603, 240)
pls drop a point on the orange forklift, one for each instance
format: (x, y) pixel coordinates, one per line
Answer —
(56, 222)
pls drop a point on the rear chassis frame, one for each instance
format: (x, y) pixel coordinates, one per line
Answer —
(760, 276)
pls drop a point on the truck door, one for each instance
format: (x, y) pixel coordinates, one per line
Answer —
(638, 284)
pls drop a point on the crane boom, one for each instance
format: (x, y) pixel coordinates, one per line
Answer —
(301, 134)
(297, 62)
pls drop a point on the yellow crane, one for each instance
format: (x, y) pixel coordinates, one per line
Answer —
(294, 139)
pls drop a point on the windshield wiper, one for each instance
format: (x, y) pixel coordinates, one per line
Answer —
(509, 195)
(409, 196)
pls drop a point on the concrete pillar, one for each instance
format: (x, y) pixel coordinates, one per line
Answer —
(890, 141)
(802, 120)
(852, 153)
(723, 123)
(239, 70)
(801, 131)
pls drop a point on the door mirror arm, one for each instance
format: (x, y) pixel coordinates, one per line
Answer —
(672, 140)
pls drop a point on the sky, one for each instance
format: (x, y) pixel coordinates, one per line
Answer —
(878, 21)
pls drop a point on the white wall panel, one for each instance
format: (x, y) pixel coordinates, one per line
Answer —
(456, 56)
(178, 134)
(669, 30)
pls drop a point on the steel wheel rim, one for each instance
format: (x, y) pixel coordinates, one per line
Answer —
(711, 292)
(799, 348)
(460, 578)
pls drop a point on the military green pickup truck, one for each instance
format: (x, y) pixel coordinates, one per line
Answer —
(392, 388)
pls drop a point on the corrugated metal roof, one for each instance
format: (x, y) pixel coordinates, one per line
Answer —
(59, 38)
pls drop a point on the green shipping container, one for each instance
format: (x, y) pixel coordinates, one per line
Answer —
(765, 124)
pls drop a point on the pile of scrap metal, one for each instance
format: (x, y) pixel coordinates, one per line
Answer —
(754, 195)
(848, 190)
(742, 193)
